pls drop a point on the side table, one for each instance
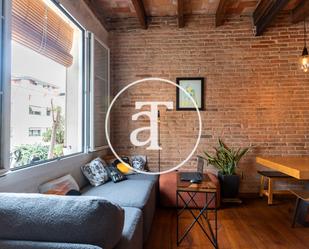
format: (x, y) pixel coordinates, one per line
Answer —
(191, 189)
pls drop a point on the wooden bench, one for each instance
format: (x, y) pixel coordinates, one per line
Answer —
(272, 176)
(301, 207)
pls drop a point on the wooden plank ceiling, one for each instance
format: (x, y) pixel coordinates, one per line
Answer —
(262, 11)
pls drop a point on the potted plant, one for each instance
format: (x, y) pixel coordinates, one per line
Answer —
(226, 160)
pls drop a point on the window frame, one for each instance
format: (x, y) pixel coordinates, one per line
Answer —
(5, 73)
(5, 128)
(1, 72)
(92, 39)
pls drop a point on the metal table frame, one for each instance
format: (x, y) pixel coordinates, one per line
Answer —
(203, 214)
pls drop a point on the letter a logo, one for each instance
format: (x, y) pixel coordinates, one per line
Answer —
(153, 128)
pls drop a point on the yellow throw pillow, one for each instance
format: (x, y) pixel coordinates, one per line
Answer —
(123, 168)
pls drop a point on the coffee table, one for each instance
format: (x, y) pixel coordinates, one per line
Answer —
(208, 188)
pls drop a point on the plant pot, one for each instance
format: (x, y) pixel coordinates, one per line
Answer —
(229, 185)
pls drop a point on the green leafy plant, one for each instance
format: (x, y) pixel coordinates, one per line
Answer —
(225, 159)
(58, 150)
(59, 132)
(30, 153)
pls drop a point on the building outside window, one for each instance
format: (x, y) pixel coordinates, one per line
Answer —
(46, 83)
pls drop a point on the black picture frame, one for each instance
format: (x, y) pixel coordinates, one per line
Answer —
(199, 80)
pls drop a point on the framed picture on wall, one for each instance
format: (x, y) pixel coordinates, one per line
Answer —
(194, 87)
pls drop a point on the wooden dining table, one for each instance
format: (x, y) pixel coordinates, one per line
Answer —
(297, 167)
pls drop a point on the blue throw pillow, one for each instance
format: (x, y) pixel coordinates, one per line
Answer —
(115, 174)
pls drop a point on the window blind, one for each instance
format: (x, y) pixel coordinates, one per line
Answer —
(99, 92)
(38, 27)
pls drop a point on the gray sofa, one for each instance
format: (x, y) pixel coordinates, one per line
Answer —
(111, 216)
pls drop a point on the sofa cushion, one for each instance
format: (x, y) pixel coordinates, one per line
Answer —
(132, 193)
(132, 233)
(22, 244)
(37, 217)
(152, 178)
(139, 193)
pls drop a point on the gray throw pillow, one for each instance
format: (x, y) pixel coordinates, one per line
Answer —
(96, 172)
(139, 162)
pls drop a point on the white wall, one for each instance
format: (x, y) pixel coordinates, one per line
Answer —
(28, 179)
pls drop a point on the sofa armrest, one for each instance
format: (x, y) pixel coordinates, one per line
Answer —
(22, 244)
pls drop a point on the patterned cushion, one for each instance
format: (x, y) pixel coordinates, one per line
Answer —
(115, 174)
(59, 186)
(96, 172)
(139, 162)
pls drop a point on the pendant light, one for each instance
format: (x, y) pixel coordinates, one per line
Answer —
(304, 59)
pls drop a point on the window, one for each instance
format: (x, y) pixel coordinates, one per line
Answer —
(46, 83)
(48, 111)
(34, 132)
(34, 110)
(99, 101)
(37, 110)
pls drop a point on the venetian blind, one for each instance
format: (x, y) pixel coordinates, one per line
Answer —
(38, 27)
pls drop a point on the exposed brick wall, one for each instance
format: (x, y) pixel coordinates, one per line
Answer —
(255, 94)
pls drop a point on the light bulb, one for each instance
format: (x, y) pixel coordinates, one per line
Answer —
(304, 62)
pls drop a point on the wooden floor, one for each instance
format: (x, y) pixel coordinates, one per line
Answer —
(251, 225)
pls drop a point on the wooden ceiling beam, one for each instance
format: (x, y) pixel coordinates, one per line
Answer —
(221, 12)
(94, 9)
(265, 13)
(261, 9)
(180, 13)
(300, 11)
(140, 12)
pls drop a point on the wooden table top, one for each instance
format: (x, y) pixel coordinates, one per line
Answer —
(204, 186)
(297, 167)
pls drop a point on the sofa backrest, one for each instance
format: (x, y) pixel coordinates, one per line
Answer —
(69, 219)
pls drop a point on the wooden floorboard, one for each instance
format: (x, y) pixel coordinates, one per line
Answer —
(250, 225)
